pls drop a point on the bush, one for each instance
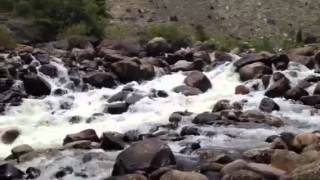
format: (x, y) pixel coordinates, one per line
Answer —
(64, 16)
(175, 34)
(74, 31)
(6, 5)
(6, 40)
(117, 31)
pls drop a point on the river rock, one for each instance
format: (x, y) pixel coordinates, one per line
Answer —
(35, 85)
(130, 70)
(242, 90)
(179, 175)
(9, 172)
(20, 150)
(281, 62)
(259, 117)
(189, 130)
(157, 46)
(250, 59)
(88, 134)
(295, 93)
(120, 96)
(278, 88)
(253, 71)
(316, 90)
(306, 172)
(268, 105)
(259, 155)
(49, 70)
(243, 175)
(267, 171)
(234, 166)
(33, 173)
(187, 90)
(100, 79)
(206, 118)
(304, 60)
(198, 80)
(147, 155)
(116, 108)
(222, 105)
(9, 135)
(310, 100)
(112, 141)
(128, 177)
(181, 65)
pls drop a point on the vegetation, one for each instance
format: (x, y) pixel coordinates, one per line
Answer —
(6, 40)
(174, 33)
(63, 17)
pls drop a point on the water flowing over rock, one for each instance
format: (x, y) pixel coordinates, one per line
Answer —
(198, 80)
(35, 85)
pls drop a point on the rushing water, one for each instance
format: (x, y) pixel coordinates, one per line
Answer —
(44, 124)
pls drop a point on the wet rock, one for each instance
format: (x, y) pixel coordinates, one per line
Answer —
(100, 79)
(43, 58)
(128, 177)
(243, 175)
(205, 118)
(64, 172)
(9, 172)
(242, 90)
(259, 155)
(317, 89)
(178, 175)
(157, 46)
(159, 93)
(112, 141)
(198, 80)
(81, 144)
(187, 90)
(304, 60)
(147, 155)
(309, 171)
(181, 65)
(254, 71)
(20, 150)
(120, 96)
(250, 59)
(35, 85)
(268, 105)
(234, 166)
(222, 105)
(75, 119)
(60, 92)
(5, 84)
(132, 135)
(266, 80)
(281, 62)
(133, 98)
(305, 139)
(267, 171)
(155, 175)
(271, 138)
(278, 88)
(8, 136)
(310, 100)
(26, 58)
(259, 117)
(116, 108)
(12, 97)
(49, 70)
(285, 160)
(33, 173)
(88, 134)
(189, 130)
(296, 93)
(129, 70)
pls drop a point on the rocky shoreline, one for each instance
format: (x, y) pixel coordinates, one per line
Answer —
(288, 155)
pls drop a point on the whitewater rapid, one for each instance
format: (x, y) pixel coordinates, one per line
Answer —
(43, 124)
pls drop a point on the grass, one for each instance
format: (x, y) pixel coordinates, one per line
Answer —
(6, 39)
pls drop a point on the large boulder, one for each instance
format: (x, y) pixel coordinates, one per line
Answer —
(304, 60)
(35, 85)
(306, 172)
(197, 79)
(268, 105)
(157, 46)
(205, 118)
(101, 79)
(250, 59)
(187, 90)
(253, 71)
(147, 156)
(88, 134)
(49, 70)
(182, 175)
(9, 172)
(278, 88)
(296, 93)
(112, 141)
(130, 70)
(9, 135)
(311, 100)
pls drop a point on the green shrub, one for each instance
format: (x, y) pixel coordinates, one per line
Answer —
(175, 34)
(6, 40)
(200, 34)
(117, 31)
(73, 31)
(6, 5)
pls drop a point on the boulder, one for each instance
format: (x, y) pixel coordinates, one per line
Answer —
(267, 171)
(20, 150)
(242, 90)
(179, 175)
(33, 173)
(205, 118)
(310, 100)
(88, 134)
(43, 58)
(281, 61)
(303, 51)
(134, 98)
(112, 141)
(128, 177)
(234, 166)
(259, 117)
(306, 172)
(120, 96)
(304, 60)
(305, 139)
(157, 46)
(130, 70)
(295, 93)
(9, 172)
(116, 108)
(35, 85)
(222, 105)
(197, 79)
(243, 175)
(250, 59)
(101, 79)
(189, 130)
(278, 88)
(316, 90)
(268, 105)
(9, 135)
(181, 65)
(259, 155)
(81, 144)
(147, 156)
(187, 90)
(49, 70)
(253, 71)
